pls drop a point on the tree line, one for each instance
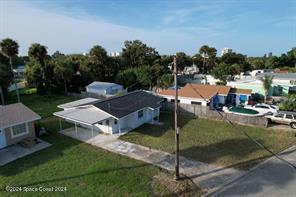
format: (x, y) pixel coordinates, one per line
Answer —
(138, 66)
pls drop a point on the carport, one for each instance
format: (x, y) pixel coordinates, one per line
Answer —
(86, 116)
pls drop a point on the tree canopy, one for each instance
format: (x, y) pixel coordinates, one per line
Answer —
(135, 54)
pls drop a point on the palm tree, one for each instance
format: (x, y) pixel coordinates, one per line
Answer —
(209, 55)
(9, 48)
(5, 78)
(38, 52)
(266, 82)
(64, 71)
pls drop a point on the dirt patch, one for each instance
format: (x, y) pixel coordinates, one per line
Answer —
(164, 184)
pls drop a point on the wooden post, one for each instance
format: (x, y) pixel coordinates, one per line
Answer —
(177, 175)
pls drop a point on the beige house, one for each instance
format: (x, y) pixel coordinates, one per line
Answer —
(16, 123)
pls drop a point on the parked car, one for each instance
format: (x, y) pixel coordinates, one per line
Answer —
(263, 108)
(283, 117)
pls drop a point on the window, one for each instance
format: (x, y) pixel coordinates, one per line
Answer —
(115, 121)
(140, 114)
(107, 122)
(279, 116)
(289, 116)
(19, 130)
(292, 90)
(273, 107)
(196, 103)
(173, 100)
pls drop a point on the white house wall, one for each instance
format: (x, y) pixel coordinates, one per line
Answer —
(185, 100)
(95, 90)
(132, 121)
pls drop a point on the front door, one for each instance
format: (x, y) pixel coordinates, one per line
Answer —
(2, 139)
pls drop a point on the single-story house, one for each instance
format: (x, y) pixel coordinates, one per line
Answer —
(207, 95)
(103, 88)
(16, 123)
(115, 115)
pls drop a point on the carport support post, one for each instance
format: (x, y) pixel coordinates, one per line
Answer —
(92, 130)
(60, 120)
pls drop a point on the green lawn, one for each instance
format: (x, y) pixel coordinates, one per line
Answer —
(83, 169)
(211, 141)
(44, 105)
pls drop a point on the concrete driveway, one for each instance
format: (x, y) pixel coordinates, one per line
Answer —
(271, 178)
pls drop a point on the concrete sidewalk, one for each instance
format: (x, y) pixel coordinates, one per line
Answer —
(270, 178)
(208, 177)
(17, 151)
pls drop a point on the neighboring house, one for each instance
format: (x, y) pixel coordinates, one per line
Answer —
(16, 123)
(103, 88)
(19, 71)
(283, 84)
(207, 95)
(115, 115)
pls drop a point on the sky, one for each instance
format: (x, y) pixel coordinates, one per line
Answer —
(251, 27)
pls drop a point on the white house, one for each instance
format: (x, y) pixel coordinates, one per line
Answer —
(207, 95)
(115, 115)
(103, 88)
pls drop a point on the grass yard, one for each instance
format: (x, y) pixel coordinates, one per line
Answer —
(83, 169)
(87, 171)
(44, 105)
(211, 141)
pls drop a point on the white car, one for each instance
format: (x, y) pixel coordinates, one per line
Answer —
(263, 108)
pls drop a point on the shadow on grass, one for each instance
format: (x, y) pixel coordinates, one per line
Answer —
(82, 175)
(59, 145)
(227, 151)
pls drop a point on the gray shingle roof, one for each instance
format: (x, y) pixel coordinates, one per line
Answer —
(16, 113)
(121, 106)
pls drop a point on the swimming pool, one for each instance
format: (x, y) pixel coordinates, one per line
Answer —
(241, 110)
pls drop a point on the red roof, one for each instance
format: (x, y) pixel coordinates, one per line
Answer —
(199, 91)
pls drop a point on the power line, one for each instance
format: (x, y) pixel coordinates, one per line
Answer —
(246, 134)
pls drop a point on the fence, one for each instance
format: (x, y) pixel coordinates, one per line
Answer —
(206, 112)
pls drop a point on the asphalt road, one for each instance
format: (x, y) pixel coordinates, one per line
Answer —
(271, 178)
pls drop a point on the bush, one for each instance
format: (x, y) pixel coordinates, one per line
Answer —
(289, 103)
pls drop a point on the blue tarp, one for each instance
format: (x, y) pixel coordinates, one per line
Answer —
(243, 97)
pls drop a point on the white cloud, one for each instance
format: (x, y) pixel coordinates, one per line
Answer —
(58, 31)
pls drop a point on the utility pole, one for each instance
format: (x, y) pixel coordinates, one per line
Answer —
(177, 176)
